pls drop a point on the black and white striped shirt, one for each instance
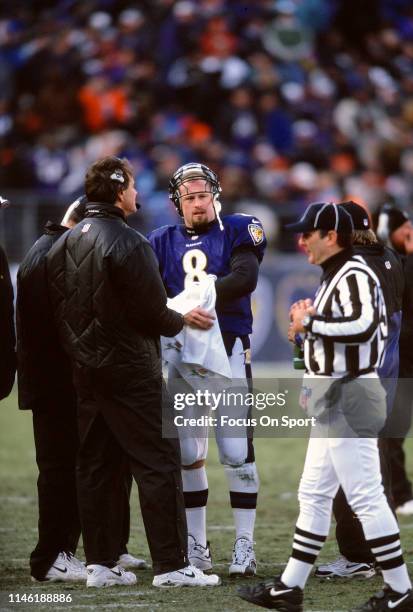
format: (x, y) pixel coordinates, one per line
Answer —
(348, 333)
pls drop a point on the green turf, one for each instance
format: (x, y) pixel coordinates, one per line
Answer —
(279, 461)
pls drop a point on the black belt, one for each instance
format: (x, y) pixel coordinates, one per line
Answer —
(352, 375)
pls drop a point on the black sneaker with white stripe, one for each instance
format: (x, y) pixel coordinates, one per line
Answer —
(386, 600)
(273, 595)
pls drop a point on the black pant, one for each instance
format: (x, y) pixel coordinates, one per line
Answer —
(401, 486)
(121, 415)
(397, 428)
(349, 532)
(56, 441)
(125, 531)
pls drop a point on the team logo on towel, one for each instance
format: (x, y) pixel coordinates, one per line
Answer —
(174, 345)
(202, 372)
(256, 232)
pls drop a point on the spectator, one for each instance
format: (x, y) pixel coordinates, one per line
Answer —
(291, 73)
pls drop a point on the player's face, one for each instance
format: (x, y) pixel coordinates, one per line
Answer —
(127, 198)
(316, 248)
(197, 203)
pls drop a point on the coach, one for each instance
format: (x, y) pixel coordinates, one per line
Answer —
(110, 307)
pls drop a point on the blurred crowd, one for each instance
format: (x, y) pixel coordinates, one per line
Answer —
(289, 101)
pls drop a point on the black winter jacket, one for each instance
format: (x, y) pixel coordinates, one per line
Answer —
(406, 334)
(43, 368)
(7, 334)
(388, 266)
(108, 298)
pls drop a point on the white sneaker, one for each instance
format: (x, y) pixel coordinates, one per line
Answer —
(189, 576)
(406, 509)
(66, 568)
(343, 568)
(101, 576)
(78, 563)
(199, 556)
(128, 561)
(244, 562)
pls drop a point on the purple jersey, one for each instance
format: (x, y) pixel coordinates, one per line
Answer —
(185, 258)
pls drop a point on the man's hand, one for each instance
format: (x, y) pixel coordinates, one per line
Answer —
(297, 313)
(307, 303)
(199, 318)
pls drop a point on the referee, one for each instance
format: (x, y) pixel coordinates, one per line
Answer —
(345, 331)
(356, 559)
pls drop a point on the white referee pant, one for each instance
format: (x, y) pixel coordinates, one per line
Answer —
(353, 463)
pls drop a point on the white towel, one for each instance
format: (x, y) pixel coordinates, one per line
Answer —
(198, 354)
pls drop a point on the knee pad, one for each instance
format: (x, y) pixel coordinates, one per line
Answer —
(232, 451)
(193, 450)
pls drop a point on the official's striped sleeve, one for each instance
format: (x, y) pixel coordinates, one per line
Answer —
(357, 296)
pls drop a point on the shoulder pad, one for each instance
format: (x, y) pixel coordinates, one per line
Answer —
(240, 220)
(246, 227)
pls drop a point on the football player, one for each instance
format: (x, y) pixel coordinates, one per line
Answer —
(231, 248)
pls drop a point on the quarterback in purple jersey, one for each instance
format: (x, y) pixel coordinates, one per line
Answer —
(231, 248)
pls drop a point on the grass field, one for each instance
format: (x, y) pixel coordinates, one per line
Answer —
(279, 461)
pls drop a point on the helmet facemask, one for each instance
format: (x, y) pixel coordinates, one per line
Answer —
(191, 172)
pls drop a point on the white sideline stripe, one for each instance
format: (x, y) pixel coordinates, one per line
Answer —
(14, 529)
(119, 593)
(17, 499)
(232, 527)
(260, 563)
(269, 564)
(272, 525)
(106, 605)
